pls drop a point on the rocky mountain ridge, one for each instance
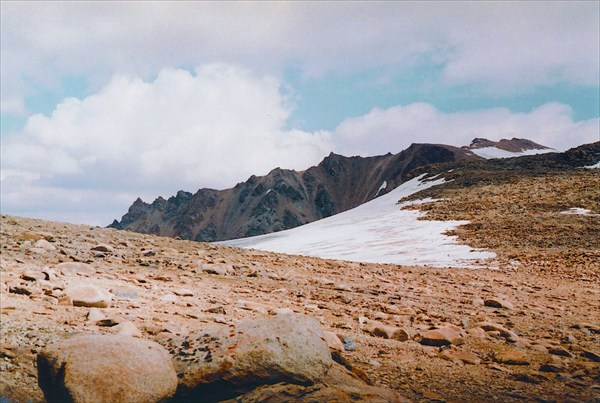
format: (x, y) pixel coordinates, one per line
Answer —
(284, 198)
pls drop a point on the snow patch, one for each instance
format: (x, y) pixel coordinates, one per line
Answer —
(379, 231)
(493, 152)
(382, 187)
(578, 211)
(595, 166)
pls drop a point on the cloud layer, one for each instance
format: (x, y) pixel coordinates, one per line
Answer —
(214, 127)
(504, 46)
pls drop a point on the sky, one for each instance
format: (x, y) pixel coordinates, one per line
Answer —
(104, 102)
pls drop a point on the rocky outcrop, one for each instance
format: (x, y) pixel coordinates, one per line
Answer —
(284, 198)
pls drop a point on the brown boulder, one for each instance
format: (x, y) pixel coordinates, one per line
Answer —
(287, 348)
(106, 368)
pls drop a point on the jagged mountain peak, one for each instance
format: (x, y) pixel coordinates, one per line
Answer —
(283, 198)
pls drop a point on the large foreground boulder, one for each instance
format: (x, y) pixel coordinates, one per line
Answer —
(229, 361)
(106, 368)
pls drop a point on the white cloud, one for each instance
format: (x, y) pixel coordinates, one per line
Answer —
(183, 130)
(502, 44)
(394, 129)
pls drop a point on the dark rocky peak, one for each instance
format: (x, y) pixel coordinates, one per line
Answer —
(138, 202)
(159, 203)
(512, 145)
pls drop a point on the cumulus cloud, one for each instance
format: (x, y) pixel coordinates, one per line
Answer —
(504, 45)
(183, 130)
(394, 129)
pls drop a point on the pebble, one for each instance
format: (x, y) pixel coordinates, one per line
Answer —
(95, 314)
(45, 245)
(349, 344)
(333, 341)
(464, 356)
(127, 328)
(512, 357)
(88, 295)
(442, 336)
(559, 351)
(183, 292)
(103, 248)
(498, 303)
(387, 332)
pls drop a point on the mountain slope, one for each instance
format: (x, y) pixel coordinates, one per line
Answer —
(381, 232)
(284, 198)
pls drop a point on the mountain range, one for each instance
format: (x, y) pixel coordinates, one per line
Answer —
(285, 199)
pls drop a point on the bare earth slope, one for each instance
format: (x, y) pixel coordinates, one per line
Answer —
(526, 331)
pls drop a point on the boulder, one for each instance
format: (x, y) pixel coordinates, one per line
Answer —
(106, 368)
(89, 295)
(339, 385)
(235, 359)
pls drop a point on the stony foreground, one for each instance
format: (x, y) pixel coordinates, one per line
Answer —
(509, 334)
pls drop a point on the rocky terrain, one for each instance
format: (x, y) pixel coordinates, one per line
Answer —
(284, 198)
(257, 326)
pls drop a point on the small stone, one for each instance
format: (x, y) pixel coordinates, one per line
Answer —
(465, 356)
(213, 269)
(443, 336)
(494, 327)
(553, 367)
(539, 348)
(75, 268)
(124, 293)
(103, 248)
(45, 245)
(183, 292)
(559, 351)
(387, 332)
(89, 296)
(498, 303)
(127, 328)
(107, 322)
(512, 357)
(31, 275)
(333, 341)
(94, 315)
(19, 289)
(349, 344)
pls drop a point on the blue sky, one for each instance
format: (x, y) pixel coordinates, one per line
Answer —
(103, 102)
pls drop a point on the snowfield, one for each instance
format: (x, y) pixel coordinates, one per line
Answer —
(376, 232)
(493, 152)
